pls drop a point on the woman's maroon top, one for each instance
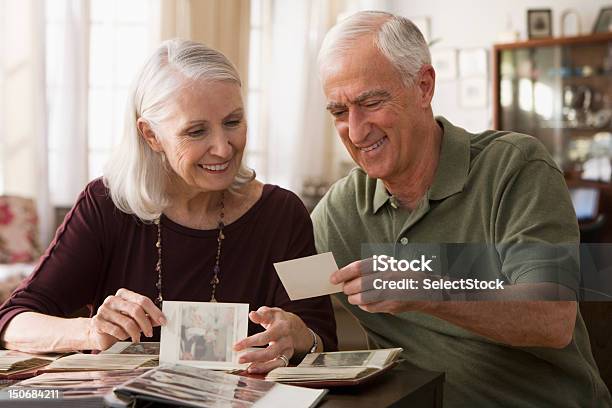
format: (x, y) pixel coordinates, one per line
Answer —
(99, 249)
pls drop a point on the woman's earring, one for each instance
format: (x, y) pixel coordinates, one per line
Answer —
(164, 161)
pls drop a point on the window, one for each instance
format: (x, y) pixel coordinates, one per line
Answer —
(256, 156)
(120, 38)
(119, 44)
(55, 44)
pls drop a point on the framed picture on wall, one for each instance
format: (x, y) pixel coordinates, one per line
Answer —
(603, 24)
(473, 62)
(473, 93)
(539, 23)
(445, 64)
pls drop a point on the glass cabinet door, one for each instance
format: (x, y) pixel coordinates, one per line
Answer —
(559, 93)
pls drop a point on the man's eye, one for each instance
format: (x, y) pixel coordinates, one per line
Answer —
(373, 104)
(338, 113)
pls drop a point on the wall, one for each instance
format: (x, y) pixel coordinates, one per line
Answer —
(478, 23)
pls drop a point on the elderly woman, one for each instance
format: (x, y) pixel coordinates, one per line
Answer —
(177, 216)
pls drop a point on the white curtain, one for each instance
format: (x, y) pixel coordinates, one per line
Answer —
(44, 152)
(23, 141)
(301, 141)
(293, 119)
(173, 19)
(67, 101)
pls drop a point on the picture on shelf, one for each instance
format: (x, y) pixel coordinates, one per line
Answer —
(570, 23)
(539, 23)
(603, 24)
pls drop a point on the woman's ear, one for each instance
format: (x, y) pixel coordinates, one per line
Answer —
(148, 135)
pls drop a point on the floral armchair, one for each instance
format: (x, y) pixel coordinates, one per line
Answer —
(19, 248)
(18, 230)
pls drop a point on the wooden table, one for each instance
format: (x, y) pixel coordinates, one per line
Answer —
(404, 386)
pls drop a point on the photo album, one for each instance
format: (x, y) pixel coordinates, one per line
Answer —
(337, 368)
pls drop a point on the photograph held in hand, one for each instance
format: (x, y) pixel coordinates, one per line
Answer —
(202, 334)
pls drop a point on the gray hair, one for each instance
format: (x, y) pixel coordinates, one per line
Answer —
(396, 37)
(136, 175)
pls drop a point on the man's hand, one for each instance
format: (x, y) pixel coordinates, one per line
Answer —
(544, 323)
(365, 288)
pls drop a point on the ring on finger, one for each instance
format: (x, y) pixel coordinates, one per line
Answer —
(284, 358)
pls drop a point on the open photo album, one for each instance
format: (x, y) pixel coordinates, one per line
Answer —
(337, 368)
(12, 363)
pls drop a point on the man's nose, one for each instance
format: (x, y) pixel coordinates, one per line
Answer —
(359, 128)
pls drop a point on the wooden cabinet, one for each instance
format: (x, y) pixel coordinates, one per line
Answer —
(560, 91)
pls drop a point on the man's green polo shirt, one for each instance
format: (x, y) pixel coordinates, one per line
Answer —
(493, 187)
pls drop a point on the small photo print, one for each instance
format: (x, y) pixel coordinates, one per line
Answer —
(352, 359)
(142, 348)
(203, 334)
(362, 358)
(206, 334)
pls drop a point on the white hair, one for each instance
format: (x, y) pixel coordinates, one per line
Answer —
(136, 175)
(396, 37)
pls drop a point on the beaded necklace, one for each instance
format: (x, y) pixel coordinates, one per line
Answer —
(216, 269)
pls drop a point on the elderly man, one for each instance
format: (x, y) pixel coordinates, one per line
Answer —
(423, 180)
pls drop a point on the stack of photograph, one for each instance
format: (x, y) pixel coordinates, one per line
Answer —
(195, 387)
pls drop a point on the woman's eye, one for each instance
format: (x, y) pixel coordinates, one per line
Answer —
(233, 123)
(196, 133)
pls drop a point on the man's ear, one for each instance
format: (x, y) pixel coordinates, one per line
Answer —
(148, 135)
(426, 85)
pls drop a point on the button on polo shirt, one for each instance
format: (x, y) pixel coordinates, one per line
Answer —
(490, 188)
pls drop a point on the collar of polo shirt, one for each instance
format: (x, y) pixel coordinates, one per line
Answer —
(452, 170)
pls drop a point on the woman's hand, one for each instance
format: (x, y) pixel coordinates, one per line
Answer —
(285, 334)
(123, 315)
